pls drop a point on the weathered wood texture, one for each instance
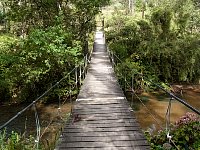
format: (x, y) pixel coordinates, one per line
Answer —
(102, 118)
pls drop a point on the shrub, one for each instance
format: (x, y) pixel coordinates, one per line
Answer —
(33, 64)
(185, 134)
(15, 141)
(162, 52)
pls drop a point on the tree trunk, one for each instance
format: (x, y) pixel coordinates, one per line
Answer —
(143, 8)
(131, 6)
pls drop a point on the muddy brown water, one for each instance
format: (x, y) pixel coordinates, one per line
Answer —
(156, 105)
(51, 119)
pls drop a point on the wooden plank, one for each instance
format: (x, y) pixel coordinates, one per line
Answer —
(102, 118)
(105, 105)
(113, 111)
(101, 100)
(98, 111)
(99, 117)
(102, 108)
(99, 139)
(101, 125)
(106, 121)
(105, 144)
(104, 134)
(106, 100)
(102, 138)
(106, 109)
(132, 135)
(85, 129)
(110, 148)
(124, 118)
(86, 94)
(116, 125)
(105, 115)
(89, 102)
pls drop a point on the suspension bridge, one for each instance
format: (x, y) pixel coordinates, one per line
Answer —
(101, 117)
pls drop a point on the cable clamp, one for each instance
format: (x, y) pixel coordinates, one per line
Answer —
(169, 137)
(36, 141)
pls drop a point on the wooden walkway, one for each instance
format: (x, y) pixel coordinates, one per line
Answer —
(102, 118)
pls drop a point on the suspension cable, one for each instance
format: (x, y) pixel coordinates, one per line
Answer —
(70, 90)
(148, 110)
(177, 98)
(76, 77)
(59, 103)
(167, 116)
(80, 74)
(167, 119)
(37, 121)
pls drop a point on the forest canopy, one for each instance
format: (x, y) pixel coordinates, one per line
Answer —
(158, 39)
(41, 41)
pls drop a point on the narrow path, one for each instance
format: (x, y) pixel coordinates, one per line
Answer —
(102, 118)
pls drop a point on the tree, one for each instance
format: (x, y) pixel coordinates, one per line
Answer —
(55, 35)
(161, 47)
(79, 15)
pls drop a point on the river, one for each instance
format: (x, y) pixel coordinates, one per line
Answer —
(52, 117)
(51, 120)
(156, 104)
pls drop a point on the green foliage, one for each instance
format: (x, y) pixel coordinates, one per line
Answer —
(54, 35)
(2, 17)
(78, 16)
(165, 48)
(31, 65)
(185, 135)
(161, 20)
(6, 41)
(15, 141)
(183, 14)
(129, 70)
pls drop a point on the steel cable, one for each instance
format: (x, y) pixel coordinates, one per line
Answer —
(37, 121)
(148, 110)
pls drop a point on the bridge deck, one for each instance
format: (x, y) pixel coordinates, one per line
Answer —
(102, 118)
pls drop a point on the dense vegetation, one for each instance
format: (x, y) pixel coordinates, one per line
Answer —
(160, 41)
(16, 142)
(185, 135)
(40, 42)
